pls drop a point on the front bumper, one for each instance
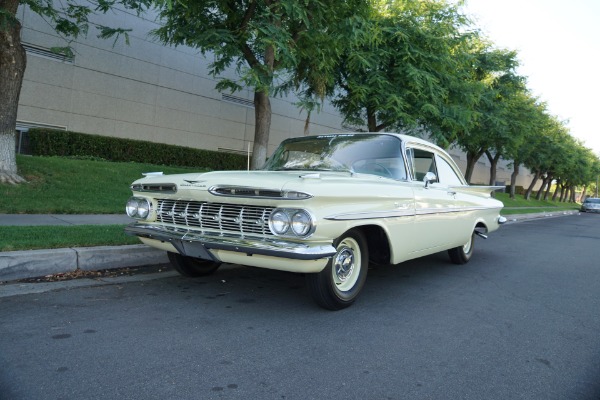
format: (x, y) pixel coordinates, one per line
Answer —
(198, 244)
(591, 210)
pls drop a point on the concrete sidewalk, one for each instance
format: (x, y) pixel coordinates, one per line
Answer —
(63, 219)
(15, 265)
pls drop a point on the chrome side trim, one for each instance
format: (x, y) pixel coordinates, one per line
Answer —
(198, 243)
(401, 213)
(428, 211)
(371, 215)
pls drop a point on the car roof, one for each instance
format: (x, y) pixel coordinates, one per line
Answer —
(403, 137)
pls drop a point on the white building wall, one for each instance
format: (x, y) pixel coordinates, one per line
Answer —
(152, 92)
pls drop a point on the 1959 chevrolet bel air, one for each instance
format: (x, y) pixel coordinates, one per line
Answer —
(325, 206)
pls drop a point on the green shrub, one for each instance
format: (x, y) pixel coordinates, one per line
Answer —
(50, 142)
(518, 189)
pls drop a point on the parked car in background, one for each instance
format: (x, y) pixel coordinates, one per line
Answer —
(591, 204)
(325, 206)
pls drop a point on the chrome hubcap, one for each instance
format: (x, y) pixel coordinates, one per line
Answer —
(346, 265)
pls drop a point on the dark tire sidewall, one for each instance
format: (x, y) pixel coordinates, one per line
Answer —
(322, 285)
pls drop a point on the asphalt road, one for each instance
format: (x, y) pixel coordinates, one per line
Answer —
(520, 321)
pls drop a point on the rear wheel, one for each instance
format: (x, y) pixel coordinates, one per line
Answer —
(462, 254)
(341, 281)
(192, 267)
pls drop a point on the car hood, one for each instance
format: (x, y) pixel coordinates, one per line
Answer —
(270, 184)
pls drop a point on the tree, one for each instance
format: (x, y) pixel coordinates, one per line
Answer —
(528, 117)
(489, 130)
(70, 20)
(266, 40)
(397, 74)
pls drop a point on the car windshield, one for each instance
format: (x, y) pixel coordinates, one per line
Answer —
(375, 154)
(594, 201)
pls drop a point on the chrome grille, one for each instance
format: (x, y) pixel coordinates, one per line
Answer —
(218, 216)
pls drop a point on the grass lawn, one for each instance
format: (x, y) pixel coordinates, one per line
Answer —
(519, 205)
(66, 186)
(14, 238)
(69, 186)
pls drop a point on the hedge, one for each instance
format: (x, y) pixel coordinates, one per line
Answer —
(50, 142)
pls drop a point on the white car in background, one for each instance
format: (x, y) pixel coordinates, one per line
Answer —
(591, 204)
(325, 206)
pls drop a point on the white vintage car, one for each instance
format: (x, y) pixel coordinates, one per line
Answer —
(325, 206)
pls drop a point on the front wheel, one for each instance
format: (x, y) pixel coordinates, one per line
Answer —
(462, 254)
(340, 282)
(192, 267)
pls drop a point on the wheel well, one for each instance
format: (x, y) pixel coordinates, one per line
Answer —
(481, 227)
(378, 243)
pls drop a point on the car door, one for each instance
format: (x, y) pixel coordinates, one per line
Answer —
(439, 210)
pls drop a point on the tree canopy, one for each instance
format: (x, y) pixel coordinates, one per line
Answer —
(418, 66)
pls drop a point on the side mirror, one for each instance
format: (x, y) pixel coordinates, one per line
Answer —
(430, 177)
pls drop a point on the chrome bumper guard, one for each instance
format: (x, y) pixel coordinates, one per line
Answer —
(197, 244)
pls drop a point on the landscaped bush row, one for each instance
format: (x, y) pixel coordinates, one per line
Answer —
(50, 142)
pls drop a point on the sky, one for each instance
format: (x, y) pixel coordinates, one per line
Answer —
(558, 45)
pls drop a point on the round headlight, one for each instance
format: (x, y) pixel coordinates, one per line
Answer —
(279, 222)
(301, 223)
(143, 208)
(132, 207)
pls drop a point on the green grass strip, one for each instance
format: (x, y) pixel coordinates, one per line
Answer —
(68, 186)
(13, 238)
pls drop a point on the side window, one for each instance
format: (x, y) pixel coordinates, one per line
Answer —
(447, 175)
(421, 162)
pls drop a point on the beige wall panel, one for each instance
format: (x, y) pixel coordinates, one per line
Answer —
(92, 125)
(189, 102)
(43, 116)
(127, 89)
(42, 70)
(138, 70)
(44, 95)
(132, 130)
(143, 50)
(138, 113)
(176, 80)
(90, 81)
(172, 119)
(234, 112)
(93, 105)
(229, 129)
(98, 60)
(205, 86)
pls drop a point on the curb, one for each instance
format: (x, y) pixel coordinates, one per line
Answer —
(511, 219)
(15, 265)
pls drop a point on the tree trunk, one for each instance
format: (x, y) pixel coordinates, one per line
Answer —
(493, 168)
(513, 178)
(472, 159)
(536, 177)
(550, 178)
(262, 116)
(539, 193)
(12, 68)
(558, 185)
(582, 197)
(371, 120)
